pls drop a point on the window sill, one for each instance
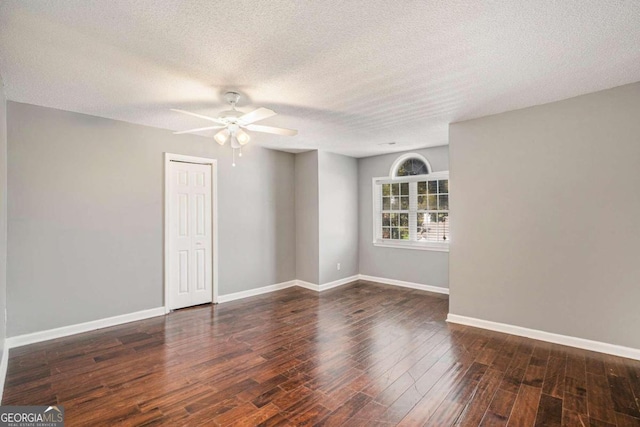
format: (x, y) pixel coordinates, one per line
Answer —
(436, 247)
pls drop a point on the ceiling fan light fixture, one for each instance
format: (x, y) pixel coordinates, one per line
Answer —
(222, 136)
(242, 137)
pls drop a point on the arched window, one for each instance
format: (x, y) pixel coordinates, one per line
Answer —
(411, 167)
(410, 164)
(411, 205)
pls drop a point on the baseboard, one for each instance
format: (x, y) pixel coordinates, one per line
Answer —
(258, 291)
(600, 347)
(411, 285)
(3, 368)
(339, 282)
(20, 340)
(327, 286)
(308, 285)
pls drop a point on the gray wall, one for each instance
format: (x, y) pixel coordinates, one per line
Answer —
(306, 216)
(424, 267)
(86, 216)
(338, 216)
(3, 217)
(544, 212)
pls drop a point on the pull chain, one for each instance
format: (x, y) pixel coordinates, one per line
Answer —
(234, 158)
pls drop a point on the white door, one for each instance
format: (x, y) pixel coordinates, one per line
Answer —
(189, 234)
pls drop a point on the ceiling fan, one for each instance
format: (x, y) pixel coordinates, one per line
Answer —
(233, 122)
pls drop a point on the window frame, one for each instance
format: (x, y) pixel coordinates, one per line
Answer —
(377, 209)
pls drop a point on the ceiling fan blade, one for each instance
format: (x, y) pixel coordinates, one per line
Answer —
(255, 115)
(198, 130)
(211, 119)
(271, 129)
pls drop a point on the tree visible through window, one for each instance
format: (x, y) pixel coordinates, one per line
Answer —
(433, 210)
(412, 166)
(395, 211)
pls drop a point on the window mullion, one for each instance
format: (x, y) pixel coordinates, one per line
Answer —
(377, 203)
(413, 207)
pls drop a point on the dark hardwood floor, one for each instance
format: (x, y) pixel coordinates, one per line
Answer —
(359, 355)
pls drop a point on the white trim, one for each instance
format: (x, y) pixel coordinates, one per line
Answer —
(20, 340)
(168, 157)
(285, 285)
(376, 207)
(421, 246)
(339, 282)
(3, 368)
(258, 291)
(598, 346)
(411, 178)
(214, 228)
(308, 285)
(404, 157)
(403, 284)
(327, 286)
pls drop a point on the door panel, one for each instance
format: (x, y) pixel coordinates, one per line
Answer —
(200, 270)
(183, 214)
(200, 178)
(189, 216)
(200, 215)
(183, 272)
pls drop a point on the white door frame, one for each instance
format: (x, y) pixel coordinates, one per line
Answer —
(168, 157)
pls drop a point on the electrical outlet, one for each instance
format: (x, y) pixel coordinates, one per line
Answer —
(338, 267)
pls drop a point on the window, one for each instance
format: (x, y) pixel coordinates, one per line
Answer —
(412, 166)
(411, 206)
(395, 211)
(433, 210)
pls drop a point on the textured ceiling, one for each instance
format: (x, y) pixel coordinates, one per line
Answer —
(349, 75)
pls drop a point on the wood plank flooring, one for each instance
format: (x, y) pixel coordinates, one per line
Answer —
(360, 355)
